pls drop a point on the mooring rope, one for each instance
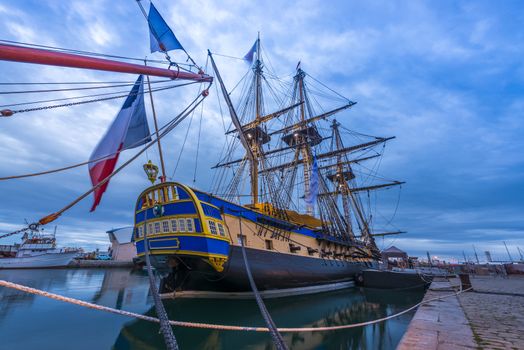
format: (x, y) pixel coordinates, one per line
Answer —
(86, 304)
(165, 328)
(275, 335)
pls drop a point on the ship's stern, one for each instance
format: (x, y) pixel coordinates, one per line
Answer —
(180, 233)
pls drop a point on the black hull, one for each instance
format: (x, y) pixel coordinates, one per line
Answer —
(271, 270)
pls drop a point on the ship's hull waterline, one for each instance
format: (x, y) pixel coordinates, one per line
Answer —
(47, 260)
(272, 272)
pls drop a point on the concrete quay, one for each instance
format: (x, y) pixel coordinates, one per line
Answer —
(99, 264)
(439, 324)
(495, 311)
(489, 317)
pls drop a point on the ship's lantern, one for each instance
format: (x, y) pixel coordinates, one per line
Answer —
(151, 171)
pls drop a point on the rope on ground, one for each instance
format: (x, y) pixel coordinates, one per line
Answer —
(275, 335)
(86, 304)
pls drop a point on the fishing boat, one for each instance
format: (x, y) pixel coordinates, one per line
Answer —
(37, 250)
(301, 221)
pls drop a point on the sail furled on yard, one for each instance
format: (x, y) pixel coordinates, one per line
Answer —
(128, 130)
(161, 36)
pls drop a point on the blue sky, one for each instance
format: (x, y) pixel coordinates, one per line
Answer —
(445, 77)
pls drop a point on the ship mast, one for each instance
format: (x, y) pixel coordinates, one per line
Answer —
(254, 144)
(304, 149)
(340, 179)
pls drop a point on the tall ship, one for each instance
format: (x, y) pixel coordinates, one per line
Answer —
(291, 193)
(290, 190)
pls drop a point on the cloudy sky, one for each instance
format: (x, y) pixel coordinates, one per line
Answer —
(445, 77)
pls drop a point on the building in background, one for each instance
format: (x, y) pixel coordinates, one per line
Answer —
(122, 248)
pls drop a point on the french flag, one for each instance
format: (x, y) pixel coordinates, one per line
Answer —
(128, 130)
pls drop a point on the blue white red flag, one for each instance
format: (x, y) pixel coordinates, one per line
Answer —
(311, 197)
(161, 37)
(251, 53)
(128, 130)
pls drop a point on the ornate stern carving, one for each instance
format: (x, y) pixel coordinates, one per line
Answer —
(217, 263)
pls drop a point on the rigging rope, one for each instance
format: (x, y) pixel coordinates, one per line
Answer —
(198, 142)
(15, 232)
(80, 82)
(86, 162)
(39, 108)
(75, 89)
(172, 124)
(89, 305)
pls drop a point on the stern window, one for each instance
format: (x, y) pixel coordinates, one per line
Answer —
(221, 229)
(150, 229)
(189, 225)
(212, 227)
(157, 227)
(165, 226)
(140, 231)
(182, 225)
(174, 226)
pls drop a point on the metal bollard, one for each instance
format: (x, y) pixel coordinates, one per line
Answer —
(464, 280)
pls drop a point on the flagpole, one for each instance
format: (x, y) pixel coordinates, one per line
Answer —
(162, 166)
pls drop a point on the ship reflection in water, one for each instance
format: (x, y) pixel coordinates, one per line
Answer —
(327, 309)
(56, 325)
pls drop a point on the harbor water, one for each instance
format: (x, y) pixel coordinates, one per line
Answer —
(30, 322)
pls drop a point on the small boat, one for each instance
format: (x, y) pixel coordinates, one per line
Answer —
(386, 279)
(37, 250)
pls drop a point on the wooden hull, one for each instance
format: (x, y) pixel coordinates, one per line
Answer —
(271, 271)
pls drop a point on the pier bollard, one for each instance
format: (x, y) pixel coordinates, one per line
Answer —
(464, 280)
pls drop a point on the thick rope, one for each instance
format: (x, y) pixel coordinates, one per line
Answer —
(86, 304)
(165, 327)
(275, 335)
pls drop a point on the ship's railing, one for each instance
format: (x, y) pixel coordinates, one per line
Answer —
(162, 194)
(8, 248)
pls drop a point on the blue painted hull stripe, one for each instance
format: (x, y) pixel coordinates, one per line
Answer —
(192, 243)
